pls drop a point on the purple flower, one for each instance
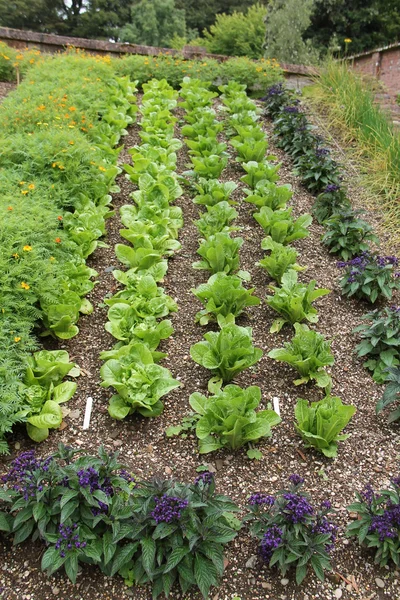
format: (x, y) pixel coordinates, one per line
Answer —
(325, 526)
(90, 478)
(168, 508)
(260, 499)
(296, 479)
(321, 152)
(272, 538)
(68, 540)
(367, 494)
(326, 505)
(291, 109)
(205, 478)
(24, 473)
(382, 525)
(275, 90)
(331, 187)
(297, 508)
(396, 480)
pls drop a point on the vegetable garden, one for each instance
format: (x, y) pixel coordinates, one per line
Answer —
(211, 287)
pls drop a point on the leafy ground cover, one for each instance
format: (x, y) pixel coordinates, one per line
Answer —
(368, 454)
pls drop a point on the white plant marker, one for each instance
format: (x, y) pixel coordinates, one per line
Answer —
(275, 402)
(88, 412)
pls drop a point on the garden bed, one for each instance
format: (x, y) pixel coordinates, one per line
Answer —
(368, 455)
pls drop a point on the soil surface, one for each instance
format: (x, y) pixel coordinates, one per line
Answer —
(370, 454)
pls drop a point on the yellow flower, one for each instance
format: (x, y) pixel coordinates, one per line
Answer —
(52, 258)
(347, 41)
(17, 339)
(71, 143)
(22, 182)
(25, 286)
(16, 255)
(102, 169)
(24, 192)
(31, 186)
(27, 248)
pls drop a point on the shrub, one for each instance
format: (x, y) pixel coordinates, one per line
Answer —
(380, 341)
(391, 394)
(370, 276)
(378, 523)
(90, 509)
(293, 533)
(348, 235)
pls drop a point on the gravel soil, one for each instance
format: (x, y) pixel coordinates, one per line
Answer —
(370, 454)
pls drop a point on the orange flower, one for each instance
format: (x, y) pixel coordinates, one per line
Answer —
(71, 143)
(17, 339)
(10, 208)
(27, 248)
(72, 108)
(41, 107)
(25, 286)
(58, 240)
(31, 186)
(60, 218)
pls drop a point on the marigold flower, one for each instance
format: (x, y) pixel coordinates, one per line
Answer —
(27, 248)
(71, 108)
(22, 182)
(17, 339)
(59, 218)
(24, 192)
(16, 255)
(71, 143)
(10, 208)
(58, 240)
(347, 41)
(25, 286)
(31, 186)
(102, 169)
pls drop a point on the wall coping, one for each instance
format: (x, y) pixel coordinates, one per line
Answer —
(188, 52)
(374, 51)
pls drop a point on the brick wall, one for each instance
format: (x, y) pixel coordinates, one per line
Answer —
(45, 42)
(383, 64)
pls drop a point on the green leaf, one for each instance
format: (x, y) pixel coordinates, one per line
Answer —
(253, 453)
(148, 555)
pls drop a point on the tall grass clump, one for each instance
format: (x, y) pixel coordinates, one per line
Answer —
(352, 107)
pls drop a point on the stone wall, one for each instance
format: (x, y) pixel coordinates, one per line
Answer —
(382, 64)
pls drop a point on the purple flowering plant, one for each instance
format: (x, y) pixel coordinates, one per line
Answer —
(370, 276)
(391, 395)
(378, 521)
(380, 341)
(330, 201)
(292, 532)
(347, 234)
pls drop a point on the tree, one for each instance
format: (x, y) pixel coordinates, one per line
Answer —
(200, 14)
(286, 21)
(154, 23)
(34, 15)
(104, 18)
(238, 34)
(368, 23)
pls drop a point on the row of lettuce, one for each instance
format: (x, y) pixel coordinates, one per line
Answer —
(151, 227)
(368, 276)
(58, 159)
(90, 509)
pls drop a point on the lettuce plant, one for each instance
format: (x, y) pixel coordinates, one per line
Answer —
(223, 295)
(280, 225)
(227, 352)
(267, 193)
(229, 419)
(380, 341)
(212, 191)
(259, 171)
(281, 259)
(209, 167)
(220, 253)
(308, 352)
(391, 395)
(149, 216)
(377, 525)
(205, 146)
(140, 384)
(217, 219)
(292, 532)
(320, 423)
(294, 300)
(125, 325)
(250, 150)
(142, 299)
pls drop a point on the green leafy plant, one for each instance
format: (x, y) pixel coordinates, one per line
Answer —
(140, 384)
(220, 253)
(331, 200)
(227, 352)
(281, 227)
(308, 352)
(391, 395)
(250, 150)
(229, 419)
(212, 191)
(370, 276)
(294, 300)
(281, 259)
(348, 235)
(90, 509)
(185, 427)
(320, 423)
(205, 146)
(223, 295)
(257, 172)
(217, 219)
(267, 193)
(380, 341)
(209, 167)
(377, 525)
